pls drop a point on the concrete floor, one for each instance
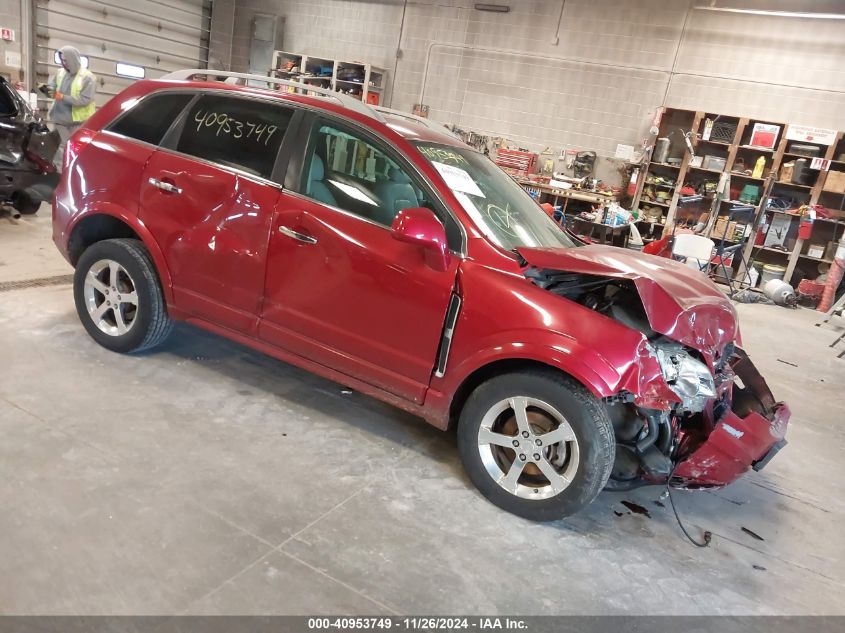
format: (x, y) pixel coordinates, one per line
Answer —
(205, 478)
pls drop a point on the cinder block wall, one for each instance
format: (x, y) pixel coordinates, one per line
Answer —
(585, 74)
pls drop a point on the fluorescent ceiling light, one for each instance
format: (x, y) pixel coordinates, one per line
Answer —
(83, 58)
(780, 14)
(496, 8)
(130, 70)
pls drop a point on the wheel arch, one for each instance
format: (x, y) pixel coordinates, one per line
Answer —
(105, 224)
(509, 365)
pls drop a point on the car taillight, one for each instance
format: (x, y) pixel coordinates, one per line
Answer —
(74, 146)
(44, 165)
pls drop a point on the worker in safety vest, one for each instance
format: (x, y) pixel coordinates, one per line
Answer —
(74, 88)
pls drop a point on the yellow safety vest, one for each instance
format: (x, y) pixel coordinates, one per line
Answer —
(77, 113)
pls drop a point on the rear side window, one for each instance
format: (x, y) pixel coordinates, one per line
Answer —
(150, 119)
(240, 133)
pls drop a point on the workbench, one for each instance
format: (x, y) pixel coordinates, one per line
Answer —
(566, 194)
(616, 235)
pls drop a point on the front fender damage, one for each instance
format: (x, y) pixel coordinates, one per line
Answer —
(748, 435)
(679, 416)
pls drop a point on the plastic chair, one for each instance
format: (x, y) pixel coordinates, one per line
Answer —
(695, 250)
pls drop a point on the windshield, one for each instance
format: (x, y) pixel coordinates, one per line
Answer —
(500, 208)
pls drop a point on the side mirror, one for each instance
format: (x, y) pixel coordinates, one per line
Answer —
(420, 226)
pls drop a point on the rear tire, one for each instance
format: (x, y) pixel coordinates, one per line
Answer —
(536, 443)
(118, 296)
(26, 204)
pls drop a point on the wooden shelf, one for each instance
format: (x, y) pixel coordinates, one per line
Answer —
(659, 204)
(792, 184)
(782, 212)
(756, 149)
(771, 249)
(735, 174)
(739, 154)
(815, 259)
(712, 171)
(794, 155)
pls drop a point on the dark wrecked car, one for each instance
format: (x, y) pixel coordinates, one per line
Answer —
(27, 148)
(377, 250)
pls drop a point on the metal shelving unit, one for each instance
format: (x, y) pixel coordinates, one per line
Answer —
(362, 81)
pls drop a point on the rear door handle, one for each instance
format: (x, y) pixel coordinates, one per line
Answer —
(164, 186)
(301, 237)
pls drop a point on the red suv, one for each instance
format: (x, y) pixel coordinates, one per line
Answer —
(378, 251)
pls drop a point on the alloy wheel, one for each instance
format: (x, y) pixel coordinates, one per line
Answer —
(528, 448)
(111, 297)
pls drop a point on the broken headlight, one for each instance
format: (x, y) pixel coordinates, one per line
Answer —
(687, 376)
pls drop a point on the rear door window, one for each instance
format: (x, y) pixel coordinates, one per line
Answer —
(234, 132)
(151, 117)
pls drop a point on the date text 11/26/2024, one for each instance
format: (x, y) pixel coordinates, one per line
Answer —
(417, 623)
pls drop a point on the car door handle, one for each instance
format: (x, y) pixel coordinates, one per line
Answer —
(164, 186)
(301, 237)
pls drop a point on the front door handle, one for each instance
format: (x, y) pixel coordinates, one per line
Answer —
(301, 237)
(164, 186)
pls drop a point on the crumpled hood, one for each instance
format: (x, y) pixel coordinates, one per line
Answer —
(679, 301)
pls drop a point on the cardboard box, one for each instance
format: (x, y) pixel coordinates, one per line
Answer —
(719, 228)
(786, 172)
(816, 250)
(835, 181)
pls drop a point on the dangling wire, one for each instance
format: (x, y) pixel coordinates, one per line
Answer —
(707, 534)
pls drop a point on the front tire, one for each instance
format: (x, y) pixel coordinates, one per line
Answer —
(118, 296)
(536, 444)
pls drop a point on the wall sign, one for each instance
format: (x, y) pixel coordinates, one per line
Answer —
(7, 34)
(820, 164)
(624, 152)
(819, 135)
(764, 135)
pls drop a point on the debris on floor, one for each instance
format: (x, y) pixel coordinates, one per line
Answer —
(636, 508)
(752, 533)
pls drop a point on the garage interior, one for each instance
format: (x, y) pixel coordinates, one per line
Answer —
(204, 477)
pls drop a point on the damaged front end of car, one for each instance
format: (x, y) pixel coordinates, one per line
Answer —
(692, 410)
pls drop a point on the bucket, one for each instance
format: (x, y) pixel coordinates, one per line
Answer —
(771, 271)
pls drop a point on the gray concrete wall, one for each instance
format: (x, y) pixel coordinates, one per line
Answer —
(10, 17)
(591, 83)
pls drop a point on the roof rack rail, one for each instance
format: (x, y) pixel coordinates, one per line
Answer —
(232, 78)
(434, 125)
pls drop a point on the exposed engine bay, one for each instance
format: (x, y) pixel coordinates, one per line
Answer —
(650, 443)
